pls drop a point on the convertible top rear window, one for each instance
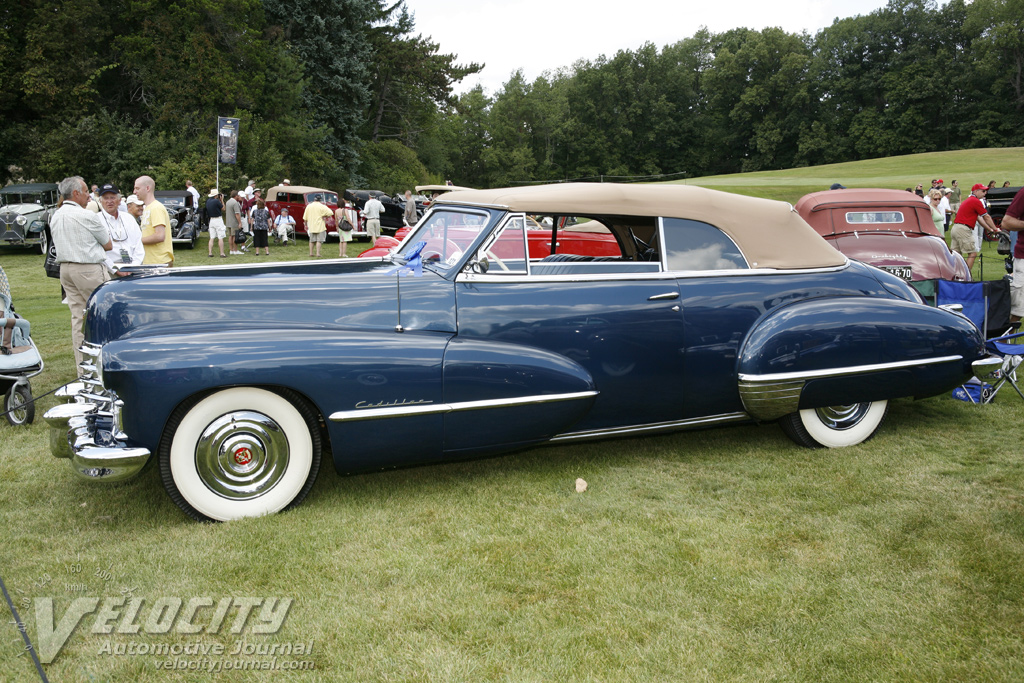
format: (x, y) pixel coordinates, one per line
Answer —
(874, 217)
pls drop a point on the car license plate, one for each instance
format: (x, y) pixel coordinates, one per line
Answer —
(904, 272)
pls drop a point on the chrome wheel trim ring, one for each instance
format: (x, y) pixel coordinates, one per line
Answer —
(842, 417)
(242, 455)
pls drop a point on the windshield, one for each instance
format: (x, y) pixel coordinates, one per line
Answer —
(325, 197)
(447, 233)
(172, 201)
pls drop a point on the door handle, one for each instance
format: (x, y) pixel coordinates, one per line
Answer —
(667, 296)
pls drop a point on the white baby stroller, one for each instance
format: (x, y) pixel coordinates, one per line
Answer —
(19, 360)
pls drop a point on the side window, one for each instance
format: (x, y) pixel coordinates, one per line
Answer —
(506, 254)
(693, 245)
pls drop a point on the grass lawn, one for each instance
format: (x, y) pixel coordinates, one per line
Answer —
(721, 555)
(897, 173)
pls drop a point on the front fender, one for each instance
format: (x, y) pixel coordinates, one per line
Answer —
(849, 350)
(334, 369)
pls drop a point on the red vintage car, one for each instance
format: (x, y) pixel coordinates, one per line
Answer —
(588, 238)
(889, 229)
(295, 198)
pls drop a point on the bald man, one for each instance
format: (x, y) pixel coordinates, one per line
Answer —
(156, 225)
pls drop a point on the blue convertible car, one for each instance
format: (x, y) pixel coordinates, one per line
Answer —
(715, 308)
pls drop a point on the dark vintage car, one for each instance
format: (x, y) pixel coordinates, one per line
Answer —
(185, 221)
(25, 212)
(998, 199)
(889, 229)
(716, 309)
(392, 218)
(295, 198)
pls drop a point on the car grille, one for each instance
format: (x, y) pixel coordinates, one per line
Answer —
(10, 231)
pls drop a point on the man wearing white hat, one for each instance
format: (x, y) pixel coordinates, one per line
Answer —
(215, 210)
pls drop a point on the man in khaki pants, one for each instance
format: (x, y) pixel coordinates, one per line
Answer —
(81, 240)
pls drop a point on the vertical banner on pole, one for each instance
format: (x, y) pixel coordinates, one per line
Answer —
(227, 140)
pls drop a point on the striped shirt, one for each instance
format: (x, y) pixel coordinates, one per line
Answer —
(78, 234)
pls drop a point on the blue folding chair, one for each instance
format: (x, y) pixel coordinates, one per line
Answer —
(1011, 349)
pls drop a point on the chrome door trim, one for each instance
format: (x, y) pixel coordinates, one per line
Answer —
(411, 409)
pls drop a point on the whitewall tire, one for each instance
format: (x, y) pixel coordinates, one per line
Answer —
(835, 426)
(241, 452)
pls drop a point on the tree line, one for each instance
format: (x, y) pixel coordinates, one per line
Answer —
(344, 93)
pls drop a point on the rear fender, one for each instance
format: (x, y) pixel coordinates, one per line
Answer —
(849, 350)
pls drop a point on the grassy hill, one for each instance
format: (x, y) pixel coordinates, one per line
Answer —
(968, 166)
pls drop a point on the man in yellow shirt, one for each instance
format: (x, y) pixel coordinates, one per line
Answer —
(316, 226)
(156, 225)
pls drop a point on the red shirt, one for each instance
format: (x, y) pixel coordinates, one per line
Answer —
(969, 211)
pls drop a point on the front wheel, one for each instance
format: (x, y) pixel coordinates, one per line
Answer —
(241, 452)
(835, 426)
(18, 406)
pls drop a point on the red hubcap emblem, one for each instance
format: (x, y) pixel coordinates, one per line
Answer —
(243, 456)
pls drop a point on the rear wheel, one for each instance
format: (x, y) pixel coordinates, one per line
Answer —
(18, 405)
(241, 452)
(835, 426)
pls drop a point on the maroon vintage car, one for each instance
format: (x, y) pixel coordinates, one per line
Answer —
(889, 229)
(295, 198)
(588, 238)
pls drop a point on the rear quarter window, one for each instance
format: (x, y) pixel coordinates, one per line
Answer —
(694, 245)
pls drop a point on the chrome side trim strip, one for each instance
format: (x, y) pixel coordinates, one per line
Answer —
(653, 428)
(434, 408)
(840, 372)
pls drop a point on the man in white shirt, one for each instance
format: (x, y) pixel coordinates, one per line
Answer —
(81, 240)
(249, 189)
(284, 225)
(372, 210)
(195, 194)
(125, 235)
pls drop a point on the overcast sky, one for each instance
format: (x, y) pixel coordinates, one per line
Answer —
(541, 35)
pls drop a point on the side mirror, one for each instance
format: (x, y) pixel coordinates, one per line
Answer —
(480, 266)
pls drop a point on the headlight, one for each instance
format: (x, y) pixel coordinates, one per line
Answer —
(174, 223)
(21, 220)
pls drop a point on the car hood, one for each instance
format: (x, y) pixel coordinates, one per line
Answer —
(29, 211)
(928, 255)
(344, 294)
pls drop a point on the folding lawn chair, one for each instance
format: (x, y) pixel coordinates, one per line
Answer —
(1010, 349)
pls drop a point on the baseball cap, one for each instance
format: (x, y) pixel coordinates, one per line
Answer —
(979, 186)
(133, 199)
(837, 186)
(108, 187)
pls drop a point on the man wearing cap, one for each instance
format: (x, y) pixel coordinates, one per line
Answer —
(972, 212)
(156, 225)
(133, 205)
(125, 236)
(315, 217)
(249, 189)
(215, 210)
(282, 224)
(81, 241)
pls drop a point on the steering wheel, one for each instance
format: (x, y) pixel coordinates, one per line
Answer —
(644, 251)
(501, 264)
(433, 250)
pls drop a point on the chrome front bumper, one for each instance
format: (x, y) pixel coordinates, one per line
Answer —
(87, 429)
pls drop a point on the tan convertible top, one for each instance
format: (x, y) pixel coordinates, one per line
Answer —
(770, 233)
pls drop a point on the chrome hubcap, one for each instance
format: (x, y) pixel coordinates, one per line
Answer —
(843, 417)
(242, 455)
